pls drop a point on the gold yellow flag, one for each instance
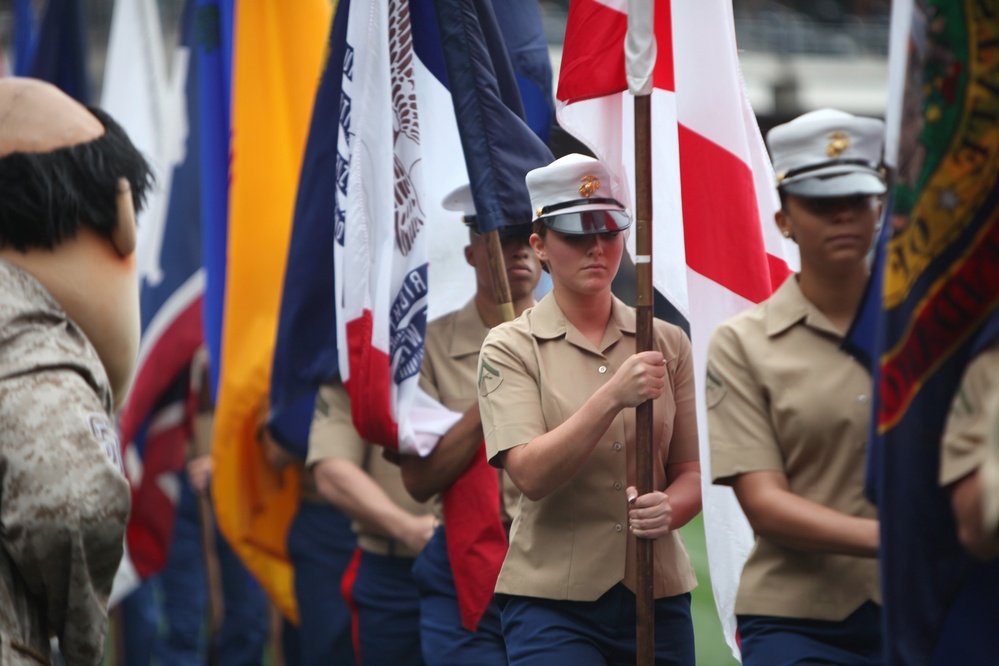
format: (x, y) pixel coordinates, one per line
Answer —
(277, 61)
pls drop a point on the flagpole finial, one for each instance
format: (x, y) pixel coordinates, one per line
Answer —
(640, 47)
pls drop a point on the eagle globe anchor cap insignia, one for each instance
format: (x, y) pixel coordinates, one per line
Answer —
(838, 143)
(590, 184)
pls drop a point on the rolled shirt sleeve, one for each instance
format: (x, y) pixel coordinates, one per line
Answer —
(332, 434)
(742, 436)
(969, 419)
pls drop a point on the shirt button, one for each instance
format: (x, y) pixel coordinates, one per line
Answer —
(602, 369)
(862, 399)
(618, 528)
(617, 485)
(617, 446)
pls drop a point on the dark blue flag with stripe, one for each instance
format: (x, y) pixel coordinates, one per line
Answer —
(932, 308)
(500, 148)
(305, 353)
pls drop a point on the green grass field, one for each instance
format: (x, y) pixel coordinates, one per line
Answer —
(711, 647)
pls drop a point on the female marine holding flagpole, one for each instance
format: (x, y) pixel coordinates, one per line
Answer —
(788, 410)
(556, 388)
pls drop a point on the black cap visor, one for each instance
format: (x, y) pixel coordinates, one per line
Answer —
(506, 231)
(588, 222)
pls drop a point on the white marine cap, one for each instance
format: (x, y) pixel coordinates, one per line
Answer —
(460, 200)
(828, 153)
(572, 196)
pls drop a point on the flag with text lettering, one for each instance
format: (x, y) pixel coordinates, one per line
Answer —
(396, 162)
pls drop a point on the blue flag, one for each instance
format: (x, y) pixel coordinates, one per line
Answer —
(499, 146)
(934, 308)
(523, 32)
(24, 37)
(305, 353)
(214, 29)
(60, 53)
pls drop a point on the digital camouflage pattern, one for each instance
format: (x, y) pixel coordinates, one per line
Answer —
(63, 498)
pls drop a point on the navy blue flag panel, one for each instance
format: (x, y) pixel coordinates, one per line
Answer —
(500, 148)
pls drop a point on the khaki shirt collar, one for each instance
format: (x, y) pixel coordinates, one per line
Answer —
(788, 306)
(469, 332)
(548, 322)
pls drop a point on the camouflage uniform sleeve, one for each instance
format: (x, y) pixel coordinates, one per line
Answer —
(63, 505)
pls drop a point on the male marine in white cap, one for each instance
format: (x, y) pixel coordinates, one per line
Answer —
(449, 373)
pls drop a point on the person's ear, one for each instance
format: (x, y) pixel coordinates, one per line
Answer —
(783, 221)
(469, 256)
(538, 244)
(124, 235)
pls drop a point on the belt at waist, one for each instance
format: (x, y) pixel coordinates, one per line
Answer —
(311, 495)
(387, 546)
(308, 491)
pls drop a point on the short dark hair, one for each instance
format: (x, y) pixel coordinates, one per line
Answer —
(783, 198)
(45, 197)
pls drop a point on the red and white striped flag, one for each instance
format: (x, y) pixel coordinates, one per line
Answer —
(716, 249)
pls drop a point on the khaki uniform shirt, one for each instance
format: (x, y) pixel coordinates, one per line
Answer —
(535, 372)
(782, 397)
(448, 374)
(970, 421)
(63, 498)
(333, 436)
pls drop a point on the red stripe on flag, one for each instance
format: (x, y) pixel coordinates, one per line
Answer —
(663, 75)
(170, 355)
(778, 271)
(594, 65)
(150, 524)
(722, 242)
(347, 591)
(476, 540)
(370, 385)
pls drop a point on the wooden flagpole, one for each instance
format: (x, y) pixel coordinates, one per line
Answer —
(497, 270)
(201, 446)
(644, 608)
(640, 44)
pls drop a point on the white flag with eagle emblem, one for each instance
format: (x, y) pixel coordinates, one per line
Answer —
(387, 190)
